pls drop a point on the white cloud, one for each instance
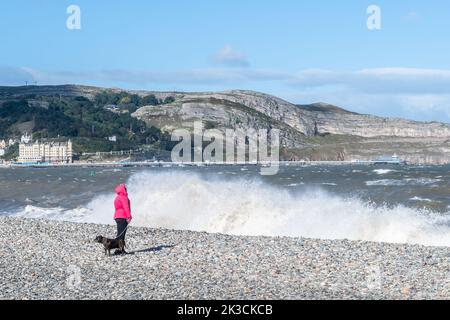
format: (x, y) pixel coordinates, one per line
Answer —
(15, 76)
(379, 80)
(228, 56)
(399, 81)
(421, 94)
(421, 107)
(197, 76)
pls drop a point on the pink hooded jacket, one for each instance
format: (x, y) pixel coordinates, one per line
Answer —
(122, 203)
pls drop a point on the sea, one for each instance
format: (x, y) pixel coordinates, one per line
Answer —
(397, 204)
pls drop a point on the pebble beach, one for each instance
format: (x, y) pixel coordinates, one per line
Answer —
(44, 259)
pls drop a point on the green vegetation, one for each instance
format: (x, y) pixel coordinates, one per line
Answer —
(88, 123)
(11, 153)
(128, 102)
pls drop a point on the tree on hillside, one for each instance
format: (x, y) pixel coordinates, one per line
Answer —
(149, 100)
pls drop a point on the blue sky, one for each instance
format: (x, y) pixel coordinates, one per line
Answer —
(302, 51)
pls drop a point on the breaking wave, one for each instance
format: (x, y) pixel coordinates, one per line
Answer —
(383, 171)
(403, 182)
(239, 206)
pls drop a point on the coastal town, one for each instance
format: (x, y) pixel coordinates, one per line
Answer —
(60, 152)
(39, 152)
(57, 152)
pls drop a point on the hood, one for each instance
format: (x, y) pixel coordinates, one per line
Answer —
(121, 190)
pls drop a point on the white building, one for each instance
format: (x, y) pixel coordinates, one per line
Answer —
(26, 138)
(3, 146)
(60, 152)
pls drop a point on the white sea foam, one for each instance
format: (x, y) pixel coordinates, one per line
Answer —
(402, 182)
(295, 184)
(383, 171)
(420, 199)
(54, 213)
(183, 200)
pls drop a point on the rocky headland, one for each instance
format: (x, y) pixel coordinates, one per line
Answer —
(315, 132)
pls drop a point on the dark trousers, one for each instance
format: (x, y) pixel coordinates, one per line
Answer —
(121, 229)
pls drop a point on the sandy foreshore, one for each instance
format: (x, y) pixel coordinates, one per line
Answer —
(41, 259)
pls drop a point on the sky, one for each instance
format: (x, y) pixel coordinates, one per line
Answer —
(301, 51)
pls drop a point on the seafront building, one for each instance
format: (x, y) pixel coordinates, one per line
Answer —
(2, 148)
(45, 152)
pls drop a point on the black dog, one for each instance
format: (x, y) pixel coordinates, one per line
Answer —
(109, 244)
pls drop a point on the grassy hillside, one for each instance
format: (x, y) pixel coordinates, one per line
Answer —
(87, 122)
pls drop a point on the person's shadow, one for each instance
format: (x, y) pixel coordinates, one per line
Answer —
(153, 249)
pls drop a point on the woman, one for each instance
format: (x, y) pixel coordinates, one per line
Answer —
(122, 213)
